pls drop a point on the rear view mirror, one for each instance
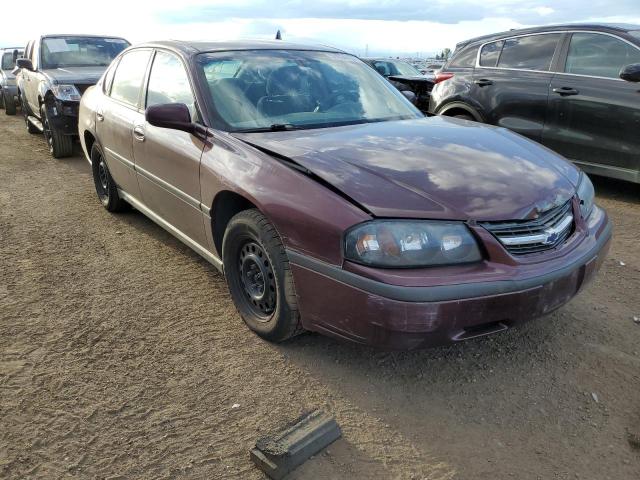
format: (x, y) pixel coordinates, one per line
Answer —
(24, 63)
(175, 116)
(631, 73)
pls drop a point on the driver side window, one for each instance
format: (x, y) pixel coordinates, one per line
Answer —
(169, 83)
(599, 55)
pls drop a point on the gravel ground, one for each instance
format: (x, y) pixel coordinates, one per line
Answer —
(121, 356)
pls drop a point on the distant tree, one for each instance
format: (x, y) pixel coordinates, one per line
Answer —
(437, 56)
(445, 54)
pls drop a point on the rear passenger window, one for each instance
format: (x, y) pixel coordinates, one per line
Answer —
(490, 54)
(533, 52)
(599, 55)
(127, 81)
(466, 58)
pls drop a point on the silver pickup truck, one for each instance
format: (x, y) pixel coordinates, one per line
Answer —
(52, 76)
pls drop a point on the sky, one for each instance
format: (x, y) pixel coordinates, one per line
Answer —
(379, 27)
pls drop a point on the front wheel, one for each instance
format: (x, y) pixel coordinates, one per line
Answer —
(259, 277)
(60, 145)
(106, 188)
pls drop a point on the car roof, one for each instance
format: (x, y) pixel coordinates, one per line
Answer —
(190, 48)
(381, 59)
(11, 48)
(600, 27)
(48, 35)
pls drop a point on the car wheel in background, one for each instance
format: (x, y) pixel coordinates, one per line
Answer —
(60, 145)
(1, 99)
(259, 277)
(9, 103)
(106, 188)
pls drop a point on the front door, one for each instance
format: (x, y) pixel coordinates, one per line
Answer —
(168, 161)
(115, 119)
(594, 116)
(511, 82)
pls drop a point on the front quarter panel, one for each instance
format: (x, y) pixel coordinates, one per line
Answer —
(309, 217)
(87, 117)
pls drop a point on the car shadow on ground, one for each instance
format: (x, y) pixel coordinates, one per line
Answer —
(613, 189)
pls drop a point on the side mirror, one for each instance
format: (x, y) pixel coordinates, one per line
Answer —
(175, 116)
(24, 63)
(631, 73)
(410, 96)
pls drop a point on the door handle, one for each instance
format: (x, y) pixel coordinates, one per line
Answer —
(99, 116)
(138, 133)
(566, 91)
(483, 82)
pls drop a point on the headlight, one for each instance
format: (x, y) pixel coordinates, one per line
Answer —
(586, 195)
(412, 243)
(66, 92)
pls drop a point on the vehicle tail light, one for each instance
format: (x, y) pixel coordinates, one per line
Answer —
(442, 76)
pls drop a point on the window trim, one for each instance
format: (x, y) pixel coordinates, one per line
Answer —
(144, 82)
(563, 54)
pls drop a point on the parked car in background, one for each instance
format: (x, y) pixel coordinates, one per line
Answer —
(330, 202)
(405, 77)
(53, 75)
(573, 88)
(8, 88)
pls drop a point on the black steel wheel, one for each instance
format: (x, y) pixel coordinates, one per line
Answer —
(106, 188)
(259, 278)
(60, 145)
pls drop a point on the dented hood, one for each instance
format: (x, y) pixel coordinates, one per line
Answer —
(435, 167)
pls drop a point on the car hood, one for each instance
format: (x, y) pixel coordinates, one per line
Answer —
(435, 167)
(79, 75)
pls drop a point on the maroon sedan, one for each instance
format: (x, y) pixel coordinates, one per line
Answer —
(330, 203)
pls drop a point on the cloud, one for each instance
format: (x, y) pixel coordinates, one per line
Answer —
(387, 27)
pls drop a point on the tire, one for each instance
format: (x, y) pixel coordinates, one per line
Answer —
(106, 188)
(464, 116)
(31, 128)
(1, 99)
(267, 303)
(9, 104)
(60, 145)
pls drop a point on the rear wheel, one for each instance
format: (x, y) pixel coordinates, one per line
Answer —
(60, 145)
(9, 103)
(259, 277)
(106, 188)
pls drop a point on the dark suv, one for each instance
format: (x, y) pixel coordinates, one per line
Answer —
(572, 88)
(52, 77)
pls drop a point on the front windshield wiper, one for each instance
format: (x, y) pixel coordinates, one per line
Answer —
(276, 127)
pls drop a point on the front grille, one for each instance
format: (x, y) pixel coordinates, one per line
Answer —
(550, 230)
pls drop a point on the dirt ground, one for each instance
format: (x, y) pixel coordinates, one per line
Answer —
(121, 356)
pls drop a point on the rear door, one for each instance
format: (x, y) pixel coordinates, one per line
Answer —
(120, 111)
(31, 79)
(168, 161)
(511, 81)
(594, 116)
